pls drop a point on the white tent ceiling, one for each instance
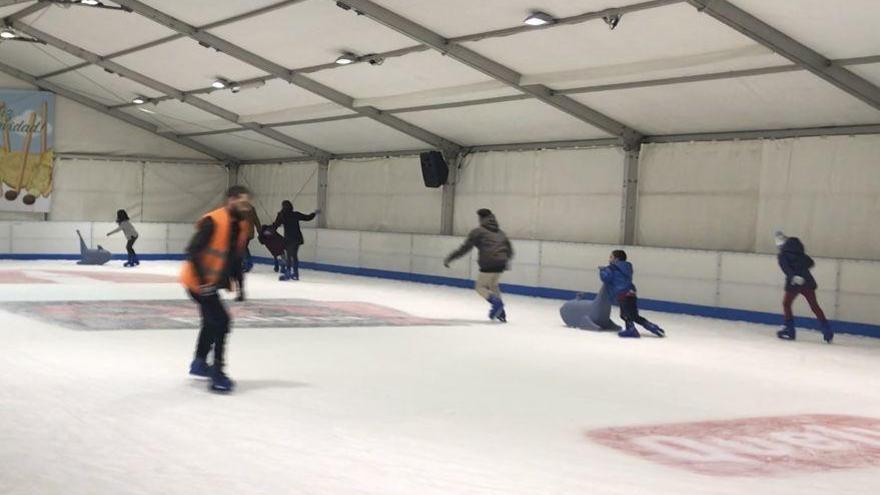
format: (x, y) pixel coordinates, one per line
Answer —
(657, 39)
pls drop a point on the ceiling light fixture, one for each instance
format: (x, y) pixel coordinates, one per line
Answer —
(612, 20)
(220, 83)
(90, 2)
(8, 34)
(347, 58)
(139, 100)
(538, 18)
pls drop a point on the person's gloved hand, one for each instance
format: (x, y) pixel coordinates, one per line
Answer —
(797, 280)
(317, 211)
(207, 290)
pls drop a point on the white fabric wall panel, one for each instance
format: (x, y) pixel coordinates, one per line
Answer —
(699, 195)
(565, 195)
(733, 195)
(182, 193)
(385, 195)
(272, 184)
(690, 275)
(5, 237)
(572, 266)
(179, 235)
(824, 190)
(95, 189)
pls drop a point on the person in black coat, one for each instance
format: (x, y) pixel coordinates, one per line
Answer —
(796, 265)
(293, 237)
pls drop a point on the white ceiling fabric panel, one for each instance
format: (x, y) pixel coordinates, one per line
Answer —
(274, 96)
(834, 29)
(202, 12)
(662, 42)
(411, 73)
(248, 145)
(777, 101)
(311, 33)
(870, 72)
(100, 31)
(35, 59)
(11, 9)
(498, 123)
(178, 117)
(186, 65)
(98, 84)
(486, 15)
(317, 111)
(353, 136)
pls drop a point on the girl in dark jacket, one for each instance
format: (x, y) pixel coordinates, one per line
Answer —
(796, 265)
(293, 237)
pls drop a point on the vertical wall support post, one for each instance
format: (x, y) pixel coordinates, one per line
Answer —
(630, 192)
(447, 202)
(323, 174)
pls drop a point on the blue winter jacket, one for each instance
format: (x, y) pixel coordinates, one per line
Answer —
(795, 262)
(618, 276)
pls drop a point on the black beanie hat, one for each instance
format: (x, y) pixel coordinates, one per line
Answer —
(484, 212)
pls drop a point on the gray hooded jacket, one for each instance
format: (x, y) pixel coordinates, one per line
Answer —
(495, 250)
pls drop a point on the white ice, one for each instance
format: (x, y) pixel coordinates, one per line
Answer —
(476, 408)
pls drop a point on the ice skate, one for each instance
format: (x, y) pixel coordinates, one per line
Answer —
(787, 332)
(655, 329)
(220, 382)
(199, 368)
(629, 332)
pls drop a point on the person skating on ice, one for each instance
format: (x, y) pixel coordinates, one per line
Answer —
(796, 265)
(124, 225)
(293, 237)
(212, 256)
(618, 276)
(495, 253)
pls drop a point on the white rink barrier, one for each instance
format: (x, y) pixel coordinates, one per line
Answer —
(710, 283)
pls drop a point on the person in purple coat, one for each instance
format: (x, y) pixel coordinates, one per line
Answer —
(796, 265)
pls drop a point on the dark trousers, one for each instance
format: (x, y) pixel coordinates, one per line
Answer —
(215, 326)
(293, 257)
(129, 246)
(629, 310)
(809, 295)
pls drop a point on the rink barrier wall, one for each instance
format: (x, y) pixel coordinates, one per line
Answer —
(714, 284)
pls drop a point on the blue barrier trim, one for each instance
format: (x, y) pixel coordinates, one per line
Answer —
(847, 327)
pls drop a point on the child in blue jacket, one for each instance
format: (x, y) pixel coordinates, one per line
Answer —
(618, 276)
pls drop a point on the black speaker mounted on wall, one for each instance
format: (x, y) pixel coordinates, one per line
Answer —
(435, 171)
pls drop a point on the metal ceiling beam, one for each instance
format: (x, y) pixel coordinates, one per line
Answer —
(492, 69)
(130, 119)
(790, 48)
(165, 89)
(174, 37)
(25, 12)
(9, 3)
(270, 67)
(848, 130)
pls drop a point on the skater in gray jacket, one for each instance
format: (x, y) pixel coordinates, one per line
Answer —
(125, 226)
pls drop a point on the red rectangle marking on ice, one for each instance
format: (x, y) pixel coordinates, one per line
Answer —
(20, 277)
(753, 446)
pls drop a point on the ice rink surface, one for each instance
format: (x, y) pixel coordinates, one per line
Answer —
(438, 401)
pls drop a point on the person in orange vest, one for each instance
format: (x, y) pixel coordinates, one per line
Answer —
(213, 256)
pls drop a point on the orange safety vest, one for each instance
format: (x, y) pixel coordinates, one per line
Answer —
(213, 259)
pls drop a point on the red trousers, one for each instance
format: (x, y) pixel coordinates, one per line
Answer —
(809, 295)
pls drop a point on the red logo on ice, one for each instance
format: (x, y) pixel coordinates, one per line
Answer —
(754, 446)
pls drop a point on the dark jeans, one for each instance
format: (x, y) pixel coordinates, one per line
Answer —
(809, 295)
(215, 326)
(129, 246)
(629, 310)
(293, 257)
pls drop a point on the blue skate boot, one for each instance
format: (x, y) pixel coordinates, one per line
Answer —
(199, 368)
(136, 260)
(497, 307)
(629, 332)
(827, 332)
(787, 332)
(655, 329)
(285, 274)
(277, 268)
(220, 382)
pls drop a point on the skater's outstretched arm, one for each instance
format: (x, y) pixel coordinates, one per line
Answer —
(117, 229)
(466, 246)
(304, 217)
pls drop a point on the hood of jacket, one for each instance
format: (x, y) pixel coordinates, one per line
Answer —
(489, 223)
(624, 266)
(792, 245)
